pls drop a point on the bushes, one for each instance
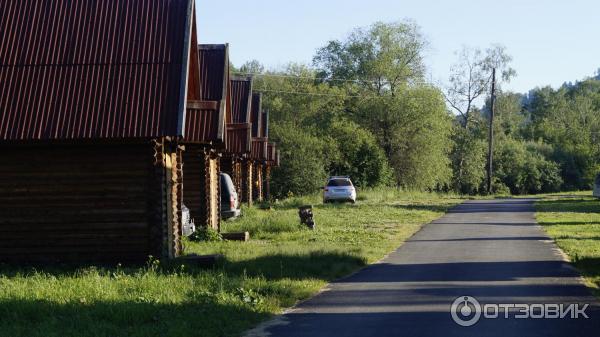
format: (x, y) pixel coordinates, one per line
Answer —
(523, 169)
(343, 148)
(304, 158)
(359, 155)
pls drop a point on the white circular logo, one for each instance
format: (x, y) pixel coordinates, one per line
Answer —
(465, 311)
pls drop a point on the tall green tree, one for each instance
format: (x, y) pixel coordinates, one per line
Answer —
(380, 58)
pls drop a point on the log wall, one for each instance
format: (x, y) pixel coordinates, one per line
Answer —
(201, 186)
(247, 181)
(88, 203)
(257, 182)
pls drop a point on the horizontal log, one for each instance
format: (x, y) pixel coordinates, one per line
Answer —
(236, 236)
(61, 227)
(100, 242)
(73, 250)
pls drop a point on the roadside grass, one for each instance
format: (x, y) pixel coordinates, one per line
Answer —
(281, 264)
(573, 221)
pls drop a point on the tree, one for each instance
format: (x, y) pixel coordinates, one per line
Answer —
(252, 67)
(381, 58)
(360, 156)
(304, 159)
(470, 78)
(414, 128)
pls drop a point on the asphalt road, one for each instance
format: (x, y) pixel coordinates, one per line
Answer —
(492, 250)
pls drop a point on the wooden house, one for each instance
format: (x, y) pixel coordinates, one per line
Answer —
(272, 161)
(93, 104)
(239, 133)
(205, 136)
(258, 155)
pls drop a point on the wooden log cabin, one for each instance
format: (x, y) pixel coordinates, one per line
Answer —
(205, 137)
(271, 162)
(239, 133)
(258, 156)
(93, 99)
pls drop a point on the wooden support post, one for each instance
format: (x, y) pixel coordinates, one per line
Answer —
(247, 182)
(491, 135)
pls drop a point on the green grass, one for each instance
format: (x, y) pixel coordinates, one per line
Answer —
(573, 221)
(283, 263)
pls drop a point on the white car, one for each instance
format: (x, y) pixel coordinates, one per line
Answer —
(339, 189)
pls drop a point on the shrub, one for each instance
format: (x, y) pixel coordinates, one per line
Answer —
(360, 156)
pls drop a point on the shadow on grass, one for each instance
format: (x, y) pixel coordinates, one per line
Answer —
(569, 223)
(199, 315)
(589, 266)
(316, 265)
(199, 312)
(417, 207)
(569, 205)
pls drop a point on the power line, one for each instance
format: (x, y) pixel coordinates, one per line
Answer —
(305, 93)
(322, 79)
(313, 93)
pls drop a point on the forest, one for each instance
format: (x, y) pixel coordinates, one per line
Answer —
(364, 108)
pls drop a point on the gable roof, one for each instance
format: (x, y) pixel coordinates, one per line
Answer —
(241, 99)
(256, 115)
(265, 124)
(206, 114)
(74, 69)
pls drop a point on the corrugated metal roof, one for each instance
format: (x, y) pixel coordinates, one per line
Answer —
(241, 99)
(208, 125)
(256, 115)
(259, 149)
(74, 69)
(239, 138)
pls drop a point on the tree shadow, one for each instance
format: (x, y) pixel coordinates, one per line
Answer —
(438, 208)
(568, 223)
(325, 266)
(199, 314)
(462, 271)
(571, 205)
(589, 266)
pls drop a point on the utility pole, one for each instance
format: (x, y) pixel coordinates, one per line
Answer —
(491, 134)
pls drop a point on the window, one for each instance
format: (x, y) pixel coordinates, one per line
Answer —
(339, 182)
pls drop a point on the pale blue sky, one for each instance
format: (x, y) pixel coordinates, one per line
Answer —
(551, 41)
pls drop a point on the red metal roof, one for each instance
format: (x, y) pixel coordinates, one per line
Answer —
(256, 114)
(72, 69)
(259, 149)
(207, 125)
(239, 138)
(241, 99)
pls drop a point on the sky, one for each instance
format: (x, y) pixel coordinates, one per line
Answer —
(551, 42)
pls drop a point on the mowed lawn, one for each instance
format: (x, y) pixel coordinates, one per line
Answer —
(573, 221)
(283, 263)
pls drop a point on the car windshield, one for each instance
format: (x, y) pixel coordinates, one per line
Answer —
(339, 182)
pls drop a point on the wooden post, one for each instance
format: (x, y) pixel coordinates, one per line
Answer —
(491, 134)
(247, 183)
(267, 179)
